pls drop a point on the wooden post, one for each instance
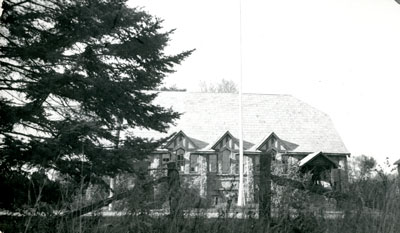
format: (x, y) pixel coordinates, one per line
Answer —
(265, 187)
(174, 192)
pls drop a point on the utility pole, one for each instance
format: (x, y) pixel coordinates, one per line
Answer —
(1, 7)
(241, 200)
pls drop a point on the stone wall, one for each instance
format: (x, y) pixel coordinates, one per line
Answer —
(216, 187)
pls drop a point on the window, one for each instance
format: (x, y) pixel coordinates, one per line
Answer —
(180, 159)
(213, 163)
(226, 161)
(166, 158)
(237, 164)
(193, 163)
(179, 140)
(285, 164)
(342, 163)
(215, 200)
(257, 163)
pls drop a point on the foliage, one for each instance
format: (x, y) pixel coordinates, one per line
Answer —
(171, 88)
(225, 86)
(362, 167)
(366, 165)
(75, 76)
(294, 212)
(373, 186)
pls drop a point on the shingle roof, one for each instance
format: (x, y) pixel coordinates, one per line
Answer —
(207, 116)
(312, 156)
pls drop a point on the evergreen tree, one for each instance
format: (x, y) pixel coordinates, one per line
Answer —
(75, 76)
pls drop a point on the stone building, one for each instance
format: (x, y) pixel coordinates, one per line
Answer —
(205, 146)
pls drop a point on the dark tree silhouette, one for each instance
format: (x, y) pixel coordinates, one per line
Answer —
(75, 76)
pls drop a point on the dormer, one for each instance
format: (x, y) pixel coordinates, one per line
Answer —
(273, 142)
(181, 141)
(227, 141)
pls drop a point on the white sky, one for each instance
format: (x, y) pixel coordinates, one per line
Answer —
(340, 56)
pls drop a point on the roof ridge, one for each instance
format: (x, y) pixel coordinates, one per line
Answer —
(206, 116)
(224, 93)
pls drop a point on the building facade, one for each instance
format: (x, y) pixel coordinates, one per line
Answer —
(205, 146)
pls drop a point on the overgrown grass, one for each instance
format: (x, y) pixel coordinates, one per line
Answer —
(374, 208)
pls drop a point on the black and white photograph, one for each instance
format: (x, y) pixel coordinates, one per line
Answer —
(173, 116)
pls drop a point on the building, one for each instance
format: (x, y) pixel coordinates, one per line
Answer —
(205, 146)
(397, 163)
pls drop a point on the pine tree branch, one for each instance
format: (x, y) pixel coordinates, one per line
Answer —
(22, 101)
(99, 204)
(25, 135)
(11, 89)
(19, 3)
(49, 130)
(16, 81)
(7, 64)
(8, 39)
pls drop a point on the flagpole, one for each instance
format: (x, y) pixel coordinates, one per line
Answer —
(241, 200)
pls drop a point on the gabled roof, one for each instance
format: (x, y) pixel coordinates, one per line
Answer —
(264, 140)
(206, 116)
(287, 146)
(246, 144)
(181, 133)
(313, 156)
(227, 133)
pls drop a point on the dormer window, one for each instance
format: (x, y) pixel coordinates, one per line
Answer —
(193, 163)
(225, 147)
(226, 141)
(180, 159)
(180, 140)
(274, 142)
(226, 161)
